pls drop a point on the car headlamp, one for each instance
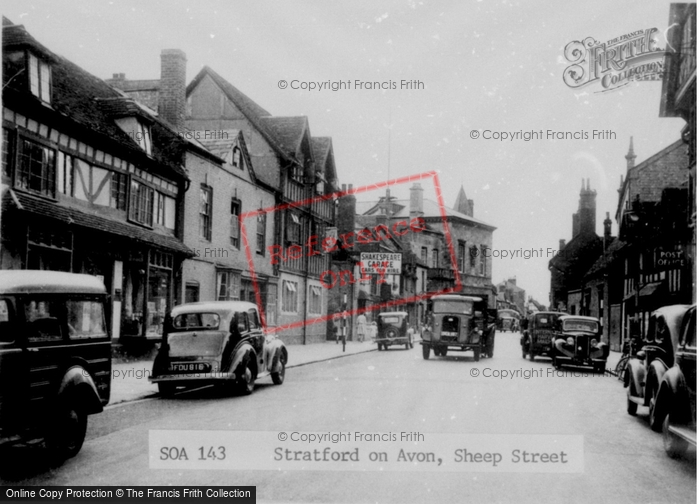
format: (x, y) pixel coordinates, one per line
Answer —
(569, 340)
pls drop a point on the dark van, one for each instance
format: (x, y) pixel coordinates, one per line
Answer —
(55, 357)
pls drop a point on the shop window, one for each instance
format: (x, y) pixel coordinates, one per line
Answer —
(205, 211)
(36, 169)
(141, 203)
(289, 296)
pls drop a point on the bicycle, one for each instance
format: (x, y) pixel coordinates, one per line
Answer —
(624, 359)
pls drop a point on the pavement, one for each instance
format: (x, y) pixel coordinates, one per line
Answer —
(130, 374)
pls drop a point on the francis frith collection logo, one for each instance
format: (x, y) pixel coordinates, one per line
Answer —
(616, 63)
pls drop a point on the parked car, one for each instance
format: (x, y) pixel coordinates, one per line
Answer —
(55, 357)
(461, 323)
(392, 329)
(538, 338)
(577, 343)
(217, 342)
(645, 370)
(676, 399)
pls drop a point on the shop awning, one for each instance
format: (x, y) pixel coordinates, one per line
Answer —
(78, 218)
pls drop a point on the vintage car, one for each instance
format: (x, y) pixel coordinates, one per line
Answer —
(676, 401)
(538, 337)
(55, 358)
(508, 320)
(577, 343)
(217, 342)
(461, 323)
(392, 329)
(645, 370)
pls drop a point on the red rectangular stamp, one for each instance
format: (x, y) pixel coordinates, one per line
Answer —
(385, 253)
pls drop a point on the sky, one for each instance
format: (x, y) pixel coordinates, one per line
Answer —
(480, 66)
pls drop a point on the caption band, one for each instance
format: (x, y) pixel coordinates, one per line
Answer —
(364, 451)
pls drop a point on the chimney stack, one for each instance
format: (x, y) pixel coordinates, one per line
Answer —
(562, 244)
(607, 226)
(346, 211)
(173, 77)
(630, 157)
(416, 204)
(576, 225)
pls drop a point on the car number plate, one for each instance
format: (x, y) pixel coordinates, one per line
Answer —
(194, 367)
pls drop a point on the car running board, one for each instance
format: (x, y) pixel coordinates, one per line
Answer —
(684, 433)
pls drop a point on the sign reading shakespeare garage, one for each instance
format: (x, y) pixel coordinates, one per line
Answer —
(375, 261)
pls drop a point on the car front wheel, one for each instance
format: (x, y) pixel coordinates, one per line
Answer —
(66, 436)
(278, 376)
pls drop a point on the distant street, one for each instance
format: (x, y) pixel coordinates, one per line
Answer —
(392, 391)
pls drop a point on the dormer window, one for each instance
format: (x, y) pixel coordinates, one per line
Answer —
(143, 136)
(138, 130)
(236, 157)
(39, 78)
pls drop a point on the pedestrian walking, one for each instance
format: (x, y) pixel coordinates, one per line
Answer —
(361, 327)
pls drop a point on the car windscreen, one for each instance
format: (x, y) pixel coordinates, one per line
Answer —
(192, 321)
(452, 306)
(580, 325)
(545, 321)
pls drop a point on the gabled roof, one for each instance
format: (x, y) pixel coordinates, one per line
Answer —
(287, 131)
(223, 147)
(321, 147)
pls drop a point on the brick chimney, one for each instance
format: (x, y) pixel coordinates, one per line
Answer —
(576, 225)
(346, 211)
(416, 204)
(117, 80)
(173, 77)
(607, 226)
